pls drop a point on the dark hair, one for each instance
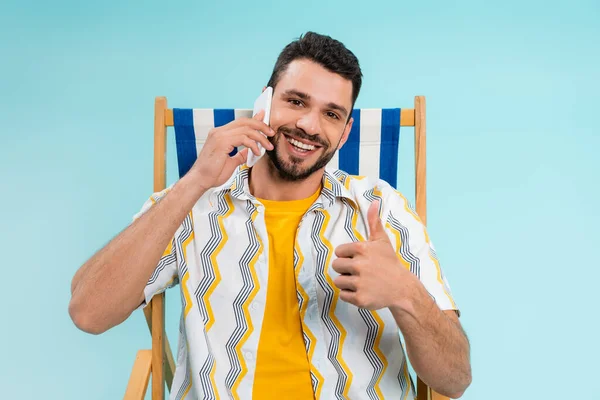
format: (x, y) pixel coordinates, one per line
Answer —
(325, 51)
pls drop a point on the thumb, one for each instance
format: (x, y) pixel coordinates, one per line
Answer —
(376, 231)
(240, 157)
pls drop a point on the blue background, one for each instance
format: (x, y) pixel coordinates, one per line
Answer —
(512, 95)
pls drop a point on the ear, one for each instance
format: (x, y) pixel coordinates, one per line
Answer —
(346, 133)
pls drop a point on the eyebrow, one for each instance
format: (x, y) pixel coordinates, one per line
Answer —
(306, 96)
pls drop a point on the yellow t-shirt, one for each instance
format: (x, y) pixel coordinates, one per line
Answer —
(282, 367)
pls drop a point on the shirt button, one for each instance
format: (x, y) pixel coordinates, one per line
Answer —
(249, 356)
(254, 307)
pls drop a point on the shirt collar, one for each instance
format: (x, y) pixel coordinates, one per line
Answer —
(335, 184)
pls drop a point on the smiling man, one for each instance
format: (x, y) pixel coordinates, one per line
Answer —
(295, 279)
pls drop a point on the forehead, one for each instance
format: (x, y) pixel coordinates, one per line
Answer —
(321, 85)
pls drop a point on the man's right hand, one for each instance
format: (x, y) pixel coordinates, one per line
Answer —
(214, 165)
(110, 285)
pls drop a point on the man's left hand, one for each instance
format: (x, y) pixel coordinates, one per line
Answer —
(371, 275)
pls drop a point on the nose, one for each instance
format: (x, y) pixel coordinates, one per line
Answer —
(309, 122)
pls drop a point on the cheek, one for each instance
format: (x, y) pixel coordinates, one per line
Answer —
(278, 118)
(282, 115)
(333, 137)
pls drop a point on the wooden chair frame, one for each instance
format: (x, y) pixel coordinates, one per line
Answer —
(159, 361)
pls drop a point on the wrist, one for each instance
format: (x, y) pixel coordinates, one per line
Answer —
(195, 180)
(414, 303)
(191, 187)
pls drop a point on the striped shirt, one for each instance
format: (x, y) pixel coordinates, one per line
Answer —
(219, 258)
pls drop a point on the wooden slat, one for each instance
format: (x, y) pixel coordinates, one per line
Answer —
(160, 182)
(420, 159)
(169, 117)
(407, 117)
(426, 393)
(158, 345)
(168, 354)
(160, 143)
(423, 392)
(437, 396)
(158, 302)
(140, 375)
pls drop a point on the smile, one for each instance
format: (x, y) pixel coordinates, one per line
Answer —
(299, 146)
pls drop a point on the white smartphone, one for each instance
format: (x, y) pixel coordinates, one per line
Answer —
(263, 102)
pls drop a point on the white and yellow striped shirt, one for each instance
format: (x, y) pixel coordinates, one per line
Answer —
(219, 256)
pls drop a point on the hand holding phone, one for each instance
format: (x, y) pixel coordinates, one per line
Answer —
(263, 102)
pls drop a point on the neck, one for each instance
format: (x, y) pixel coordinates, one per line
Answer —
(266, 183)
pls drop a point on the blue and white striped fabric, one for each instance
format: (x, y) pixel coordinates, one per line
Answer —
(371, 149)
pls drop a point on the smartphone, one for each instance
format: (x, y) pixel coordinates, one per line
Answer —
(263, 102)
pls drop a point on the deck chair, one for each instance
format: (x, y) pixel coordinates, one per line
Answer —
(356, 158)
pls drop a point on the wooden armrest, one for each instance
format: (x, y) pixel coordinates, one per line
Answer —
(168, 354)
(426, 393)
(140, 375)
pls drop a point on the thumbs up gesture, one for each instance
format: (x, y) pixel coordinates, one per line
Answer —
(376, 230)
(371, 275)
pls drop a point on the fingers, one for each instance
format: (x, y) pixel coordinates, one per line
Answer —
(349, 296)
(254, 123)
(240, 157)
(258, 137)
(251, 144)
(242, 131)
(346, 282)
(344, 266)
(349, 250)
(258, 124)
(241, 137)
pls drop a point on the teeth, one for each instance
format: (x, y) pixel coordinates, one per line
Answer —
(301, 145)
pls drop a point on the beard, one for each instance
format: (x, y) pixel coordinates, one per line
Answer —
(292, 170)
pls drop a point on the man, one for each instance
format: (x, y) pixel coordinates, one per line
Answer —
(295, 279)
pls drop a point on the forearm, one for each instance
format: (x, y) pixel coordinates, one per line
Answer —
(77, 277)
(437, 346)
(109, 286)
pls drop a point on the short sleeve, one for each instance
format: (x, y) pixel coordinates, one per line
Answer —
(415, 249)
(165, 274)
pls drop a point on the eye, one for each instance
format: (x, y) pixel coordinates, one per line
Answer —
(296, 102)
(332, 115)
